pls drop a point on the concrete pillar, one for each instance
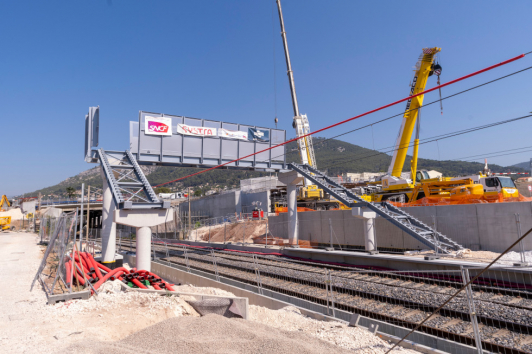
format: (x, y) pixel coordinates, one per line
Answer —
(108, 224)
(292, 179)
(369, 234)
(142, 220)
(368, 218)
(291, 196)
(143, 243)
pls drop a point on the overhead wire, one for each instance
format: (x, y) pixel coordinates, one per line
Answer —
(355, 117)
(439, 137)
(511, 153)
(494, 152)
(321, 142)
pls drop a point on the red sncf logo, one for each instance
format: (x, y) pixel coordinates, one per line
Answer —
(157, 127)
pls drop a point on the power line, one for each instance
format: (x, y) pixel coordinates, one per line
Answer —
(511, 153)
(425, 105)
(494, 152)
(355, 117)
(433, 139)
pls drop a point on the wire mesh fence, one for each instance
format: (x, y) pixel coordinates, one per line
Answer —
(492, 313)
(60, 235)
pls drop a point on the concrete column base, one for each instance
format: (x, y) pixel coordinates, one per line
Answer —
(142, 220)
(143, 243)
(368, 217)
(292, 179)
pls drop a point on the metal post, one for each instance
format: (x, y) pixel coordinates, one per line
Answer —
(472, 311)
(225, 231)
(332, 293)
(88, 208)
(266, 220)
(215, 265)
(81, 226)
(244, 233)
(331, 248)
(185, 252)
(436, 246)
(521, 248)
(209, 233)
(73, 247)
(189, 216)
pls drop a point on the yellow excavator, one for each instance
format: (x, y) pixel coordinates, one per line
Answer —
(4, 203)
(5, 221)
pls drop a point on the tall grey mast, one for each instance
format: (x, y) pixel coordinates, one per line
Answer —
(288, 64)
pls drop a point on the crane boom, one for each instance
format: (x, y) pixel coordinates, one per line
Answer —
(424, 69)
(300, 123)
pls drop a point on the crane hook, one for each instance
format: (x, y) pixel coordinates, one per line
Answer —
(437, 71)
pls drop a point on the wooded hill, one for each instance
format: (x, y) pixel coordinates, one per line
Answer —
(333, 156)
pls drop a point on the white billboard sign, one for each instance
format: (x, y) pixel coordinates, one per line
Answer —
(232, 134)
(195, 131)
(158, 126)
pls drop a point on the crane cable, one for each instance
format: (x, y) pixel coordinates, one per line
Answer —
(355, 117)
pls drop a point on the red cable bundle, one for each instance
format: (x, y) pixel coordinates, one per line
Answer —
(86, 268)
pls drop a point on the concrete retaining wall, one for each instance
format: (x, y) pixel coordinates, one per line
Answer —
(224, 204)
(249, 198)
(487, 227)
(214, 205)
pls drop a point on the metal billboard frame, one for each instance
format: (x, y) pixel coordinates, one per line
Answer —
(203, 152)
(92, 130)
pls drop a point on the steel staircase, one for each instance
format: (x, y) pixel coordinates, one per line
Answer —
(406, 222)
(130, 188)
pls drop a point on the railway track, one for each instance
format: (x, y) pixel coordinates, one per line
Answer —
(397, 298)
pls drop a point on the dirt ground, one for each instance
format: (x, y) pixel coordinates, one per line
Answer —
(244, 231)
(130, 322)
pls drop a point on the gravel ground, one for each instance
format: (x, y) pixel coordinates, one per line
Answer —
(216, 334)
(291, 319)
(130, 322)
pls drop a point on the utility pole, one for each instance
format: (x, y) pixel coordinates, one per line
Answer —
(189, 218)
(88, 209)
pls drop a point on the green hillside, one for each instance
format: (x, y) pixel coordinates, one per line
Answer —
(333, 156)
(525, 165)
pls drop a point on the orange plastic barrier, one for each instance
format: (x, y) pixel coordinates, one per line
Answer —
(466, 199)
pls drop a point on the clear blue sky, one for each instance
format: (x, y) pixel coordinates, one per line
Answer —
(215, 60)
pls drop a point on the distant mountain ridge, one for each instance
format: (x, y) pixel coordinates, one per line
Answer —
(334, 156)
(524, 165)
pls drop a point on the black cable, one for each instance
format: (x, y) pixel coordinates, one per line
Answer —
(425, 105)
(445, 136)
(494, 152)
(510, 153)
(450, 135)
(436, 101)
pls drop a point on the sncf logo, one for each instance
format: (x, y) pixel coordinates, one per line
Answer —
(157, 127)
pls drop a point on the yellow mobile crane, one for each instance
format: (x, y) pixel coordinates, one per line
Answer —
(393, 184)
(309, 195)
